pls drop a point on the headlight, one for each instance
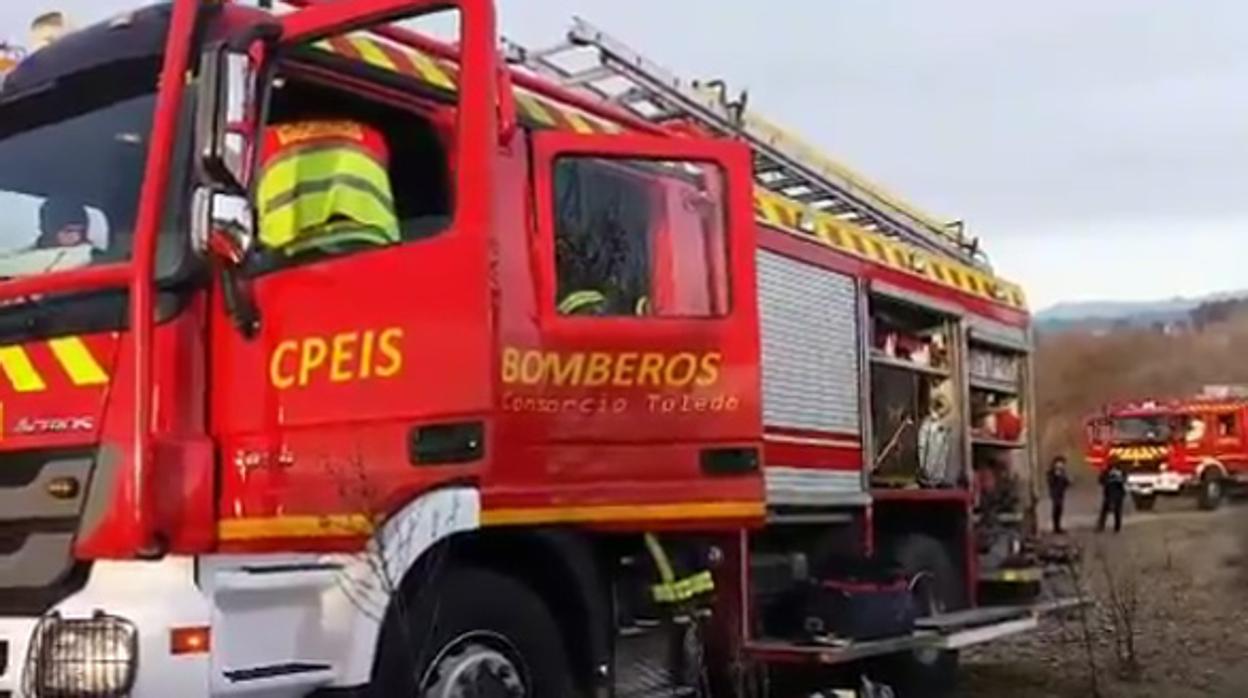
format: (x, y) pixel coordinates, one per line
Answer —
(82, 658)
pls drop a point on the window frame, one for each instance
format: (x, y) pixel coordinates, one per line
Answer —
(733, 161)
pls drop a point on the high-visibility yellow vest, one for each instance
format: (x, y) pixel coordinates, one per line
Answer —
(323, 184)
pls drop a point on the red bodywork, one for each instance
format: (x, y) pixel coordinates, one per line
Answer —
(219, 442)
(1203, 431)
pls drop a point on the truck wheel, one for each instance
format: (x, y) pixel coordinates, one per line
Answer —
(1211, 491)
(478, 633)
(1144, 502)
(938, 587)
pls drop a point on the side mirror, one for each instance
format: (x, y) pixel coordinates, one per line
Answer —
(223, 231)
(228, 117)
(224, 226)
(230, 105)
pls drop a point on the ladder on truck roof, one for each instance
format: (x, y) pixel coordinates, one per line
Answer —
(783, 163)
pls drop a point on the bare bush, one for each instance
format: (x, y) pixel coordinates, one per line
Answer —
(1121, 597)
(372, 578)
(1086, 639)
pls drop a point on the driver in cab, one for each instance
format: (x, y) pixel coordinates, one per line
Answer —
(61, 243)
(62, 223)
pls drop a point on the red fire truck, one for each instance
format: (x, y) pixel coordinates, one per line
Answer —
(1170, 447)
(410, 468)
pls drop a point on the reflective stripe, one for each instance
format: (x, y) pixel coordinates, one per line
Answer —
(315, 164)
(309, 187)
(366, 211)
(77, 361)
(669, 589)
(684, 589)
(21, 372)
(331, 236)
(580, 300)
(316, 186)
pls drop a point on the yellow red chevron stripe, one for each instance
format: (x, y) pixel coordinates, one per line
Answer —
(778, 211)
(1139, 452)
(404, 60)
(72, 358)
(772, 209)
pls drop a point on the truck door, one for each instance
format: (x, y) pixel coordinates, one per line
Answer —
(375, 329)
(631, 392)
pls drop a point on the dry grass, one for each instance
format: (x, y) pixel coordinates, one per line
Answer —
(1078, 372)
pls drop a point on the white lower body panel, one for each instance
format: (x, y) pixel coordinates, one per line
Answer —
(1146, 484)
(282, 625)
(155, 597)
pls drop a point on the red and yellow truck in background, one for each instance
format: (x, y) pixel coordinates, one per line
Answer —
(1169, 447)
(409, 469)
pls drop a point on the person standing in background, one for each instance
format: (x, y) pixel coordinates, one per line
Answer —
(1113, 492)
(1059, 482)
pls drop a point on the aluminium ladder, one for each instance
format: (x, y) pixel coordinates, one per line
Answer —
(593, 62)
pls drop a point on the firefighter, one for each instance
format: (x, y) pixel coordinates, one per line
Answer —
(1113, 492)
(1059, 482)
(62, 223)
(324, 187)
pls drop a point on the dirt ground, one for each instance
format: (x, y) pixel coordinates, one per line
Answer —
(1171, 591)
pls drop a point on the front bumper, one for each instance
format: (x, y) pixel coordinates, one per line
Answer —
(155, 597)
(1147, 484)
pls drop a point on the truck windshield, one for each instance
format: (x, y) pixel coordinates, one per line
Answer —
(72, 156)
(1141, 429)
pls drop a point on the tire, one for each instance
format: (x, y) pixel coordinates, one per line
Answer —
(1212, 490)
(939, 587)
(1144, 502)
(474, 630)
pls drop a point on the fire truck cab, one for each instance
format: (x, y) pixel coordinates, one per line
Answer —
(616, 409)
(1193, 445)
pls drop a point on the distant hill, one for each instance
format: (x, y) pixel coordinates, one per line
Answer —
(1091, 315)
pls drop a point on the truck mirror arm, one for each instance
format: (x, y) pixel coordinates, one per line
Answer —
(240, 302)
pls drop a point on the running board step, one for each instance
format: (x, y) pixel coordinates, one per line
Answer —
(973, 617)
(949, 631)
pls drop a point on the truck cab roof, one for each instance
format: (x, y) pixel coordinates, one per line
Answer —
(132, 36)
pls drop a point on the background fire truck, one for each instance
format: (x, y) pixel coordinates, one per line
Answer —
(1169, 447)
(799, 419)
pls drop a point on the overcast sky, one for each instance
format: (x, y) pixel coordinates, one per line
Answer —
(1098, 148)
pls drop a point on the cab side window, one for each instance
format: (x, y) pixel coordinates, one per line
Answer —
(1227, 427)
(639, 238)
(339, 173)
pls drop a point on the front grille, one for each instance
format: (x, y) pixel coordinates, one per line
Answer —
(37, 527)
(1147, 466)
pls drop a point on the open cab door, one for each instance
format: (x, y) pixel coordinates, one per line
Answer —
(638, 376)
(352, 358)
